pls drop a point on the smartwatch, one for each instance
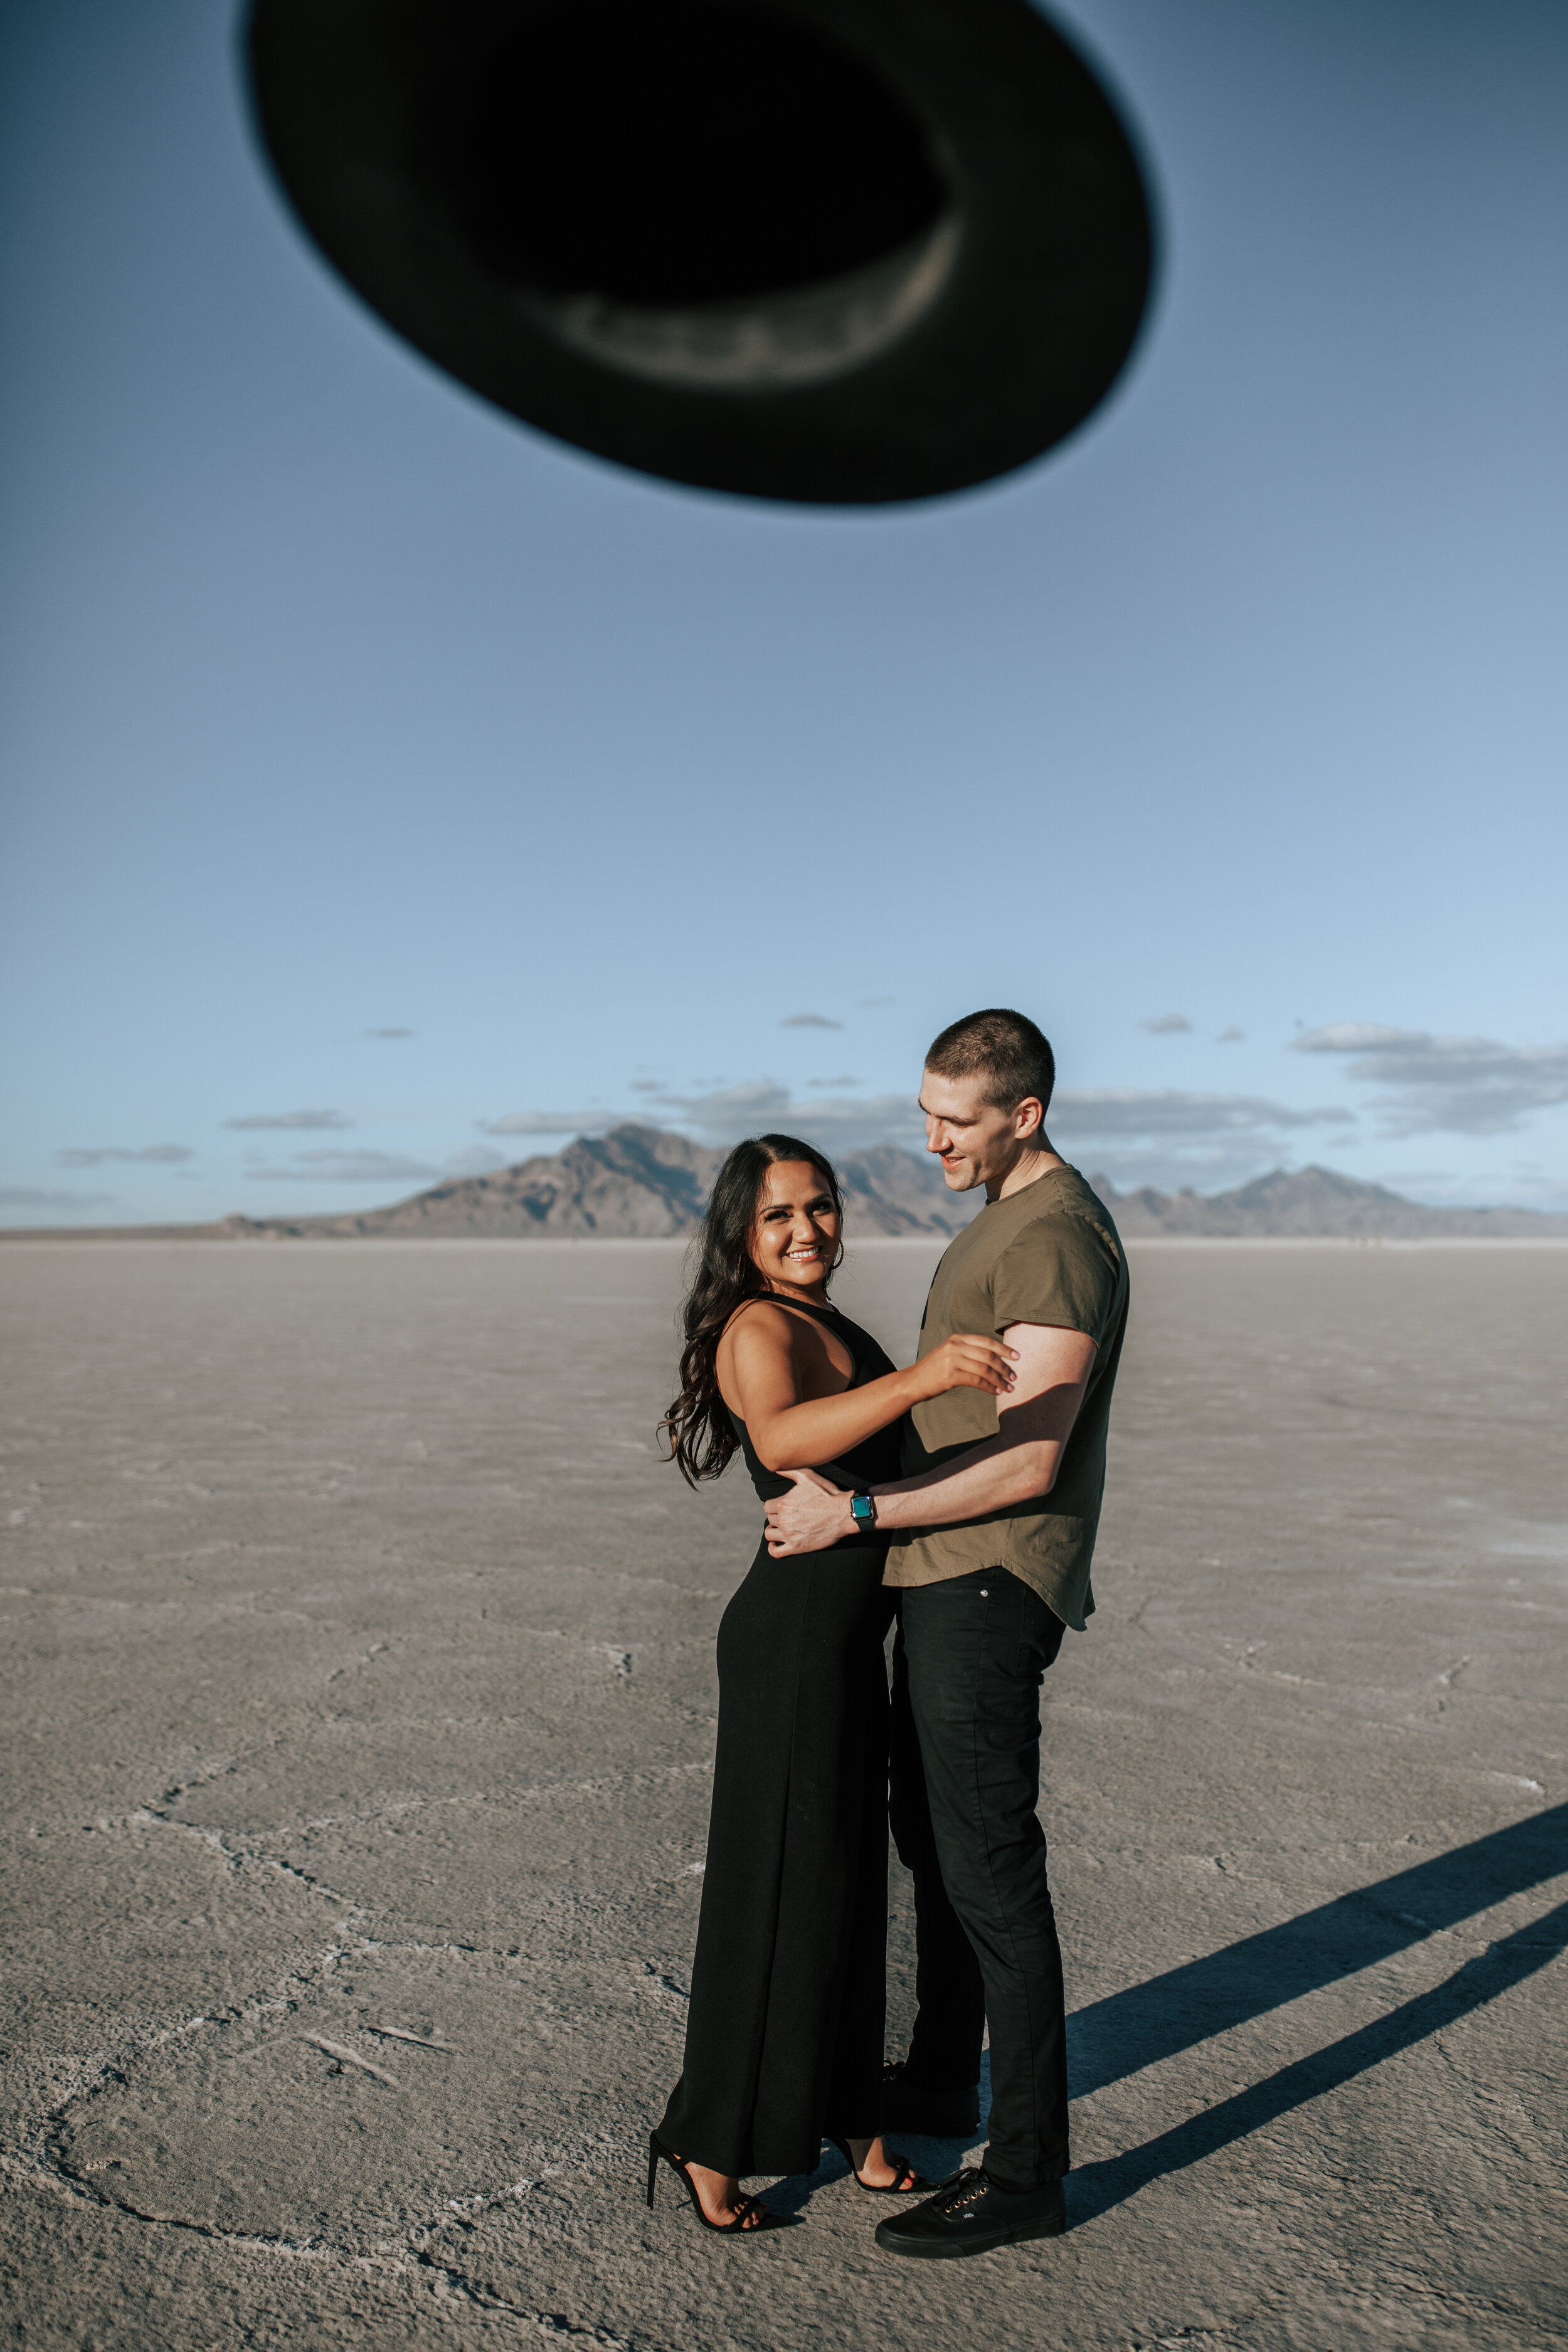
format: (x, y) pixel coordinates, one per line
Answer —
(863, 1511)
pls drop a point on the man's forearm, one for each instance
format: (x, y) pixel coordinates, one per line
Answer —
(989, 1477)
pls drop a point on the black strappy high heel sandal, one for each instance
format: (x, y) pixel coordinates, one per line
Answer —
(737, 2225)
(908, 2184)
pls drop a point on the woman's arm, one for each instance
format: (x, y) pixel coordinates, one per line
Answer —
(1017, 1465)
(767, 1367)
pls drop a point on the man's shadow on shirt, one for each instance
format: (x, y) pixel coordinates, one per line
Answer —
(1129, 2030)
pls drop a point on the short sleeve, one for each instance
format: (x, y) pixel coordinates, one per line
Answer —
(1060, 1270)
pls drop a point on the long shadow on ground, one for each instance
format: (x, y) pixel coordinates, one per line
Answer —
(1097, 2187)
(1129, 2030)
(1116, 2037)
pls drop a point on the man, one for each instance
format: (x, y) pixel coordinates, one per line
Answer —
(993, 1530)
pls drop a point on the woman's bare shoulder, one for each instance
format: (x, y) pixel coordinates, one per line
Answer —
(757, 1343)
(764, 1330)
(765, 1318)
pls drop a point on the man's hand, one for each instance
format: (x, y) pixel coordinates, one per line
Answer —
(814, 1515)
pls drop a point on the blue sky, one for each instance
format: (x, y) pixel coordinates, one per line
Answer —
(389, 790)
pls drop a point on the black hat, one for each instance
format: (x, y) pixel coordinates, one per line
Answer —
(843, 251)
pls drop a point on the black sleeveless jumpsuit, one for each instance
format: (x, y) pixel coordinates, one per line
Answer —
(784, 2041)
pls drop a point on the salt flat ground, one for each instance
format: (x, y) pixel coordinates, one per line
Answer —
(359, 1712)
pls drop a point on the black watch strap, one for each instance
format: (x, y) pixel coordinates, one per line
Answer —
(863, 1511)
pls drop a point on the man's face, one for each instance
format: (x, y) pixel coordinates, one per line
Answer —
(976, 1142)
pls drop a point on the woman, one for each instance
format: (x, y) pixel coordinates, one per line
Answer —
(784, 2037)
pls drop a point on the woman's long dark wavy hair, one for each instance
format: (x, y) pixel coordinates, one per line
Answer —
(697, 1424)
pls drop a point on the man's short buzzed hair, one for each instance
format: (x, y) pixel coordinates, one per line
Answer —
(1004, 1050)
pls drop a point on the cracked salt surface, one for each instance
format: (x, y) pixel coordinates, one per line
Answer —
(346, 2017)
(240, 2131)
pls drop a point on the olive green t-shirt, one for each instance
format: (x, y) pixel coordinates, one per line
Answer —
(1049, 1253)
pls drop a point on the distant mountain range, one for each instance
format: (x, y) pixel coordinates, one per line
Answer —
(1316, 1202)
(640, 1182)
(636, 1182)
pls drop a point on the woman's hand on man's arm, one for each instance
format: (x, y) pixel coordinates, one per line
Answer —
(969, 1360)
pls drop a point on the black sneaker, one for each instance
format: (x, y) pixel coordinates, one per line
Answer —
(934, 2115)
(970, 2215)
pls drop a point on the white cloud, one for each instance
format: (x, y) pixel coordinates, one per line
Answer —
(732, 1110)
(344, 1167)
(1121, 1114)
(809, 1021)
(389, 1033)
(38, 1196)
(476, 1162)
(552, 1123)
(1465, 1086)
(291, 1119)
(1231, 1036)
(1126, 1113)
(1172, 1136)
(1215, 1167)
(1166, 1024)
(94, 1155)
(839, 1124)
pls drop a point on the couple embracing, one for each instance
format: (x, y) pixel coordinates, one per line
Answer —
(957, 1498)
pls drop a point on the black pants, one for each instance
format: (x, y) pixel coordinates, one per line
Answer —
(967, 1668)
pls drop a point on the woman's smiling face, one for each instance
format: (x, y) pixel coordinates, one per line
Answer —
(794, 1239)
